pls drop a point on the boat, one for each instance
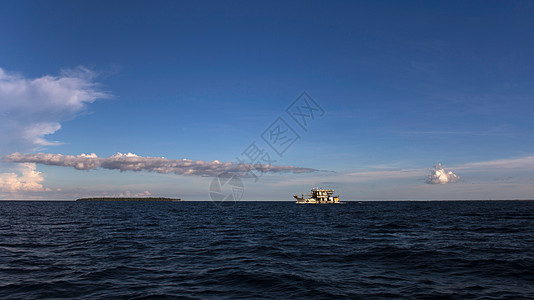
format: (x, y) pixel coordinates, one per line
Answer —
(318, 196)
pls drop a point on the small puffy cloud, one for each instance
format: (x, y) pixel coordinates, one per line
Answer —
(438, 175)
(133, 162)
(28, 180)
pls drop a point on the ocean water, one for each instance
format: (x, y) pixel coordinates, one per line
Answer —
(199, 250)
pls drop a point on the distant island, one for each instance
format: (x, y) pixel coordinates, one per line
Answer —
(129, 199)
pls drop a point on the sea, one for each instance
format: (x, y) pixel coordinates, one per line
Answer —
(267, 250)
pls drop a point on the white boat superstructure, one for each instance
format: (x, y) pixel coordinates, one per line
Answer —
(318, 196)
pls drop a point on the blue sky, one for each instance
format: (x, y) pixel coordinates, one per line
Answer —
(404, 85)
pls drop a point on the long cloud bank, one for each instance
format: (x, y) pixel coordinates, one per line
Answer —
(133, 162)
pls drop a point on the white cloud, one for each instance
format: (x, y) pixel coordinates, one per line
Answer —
(438, 175)
(133, 162)
(35, 133)
(28, 180)
(32, 108)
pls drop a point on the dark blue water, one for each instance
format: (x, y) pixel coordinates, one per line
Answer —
(476, 249)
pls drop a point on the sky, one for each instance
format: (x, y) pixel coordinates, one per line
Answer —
(380, 100)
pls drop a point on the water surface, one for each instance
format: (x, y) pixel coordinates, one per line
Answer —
(95, 250)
